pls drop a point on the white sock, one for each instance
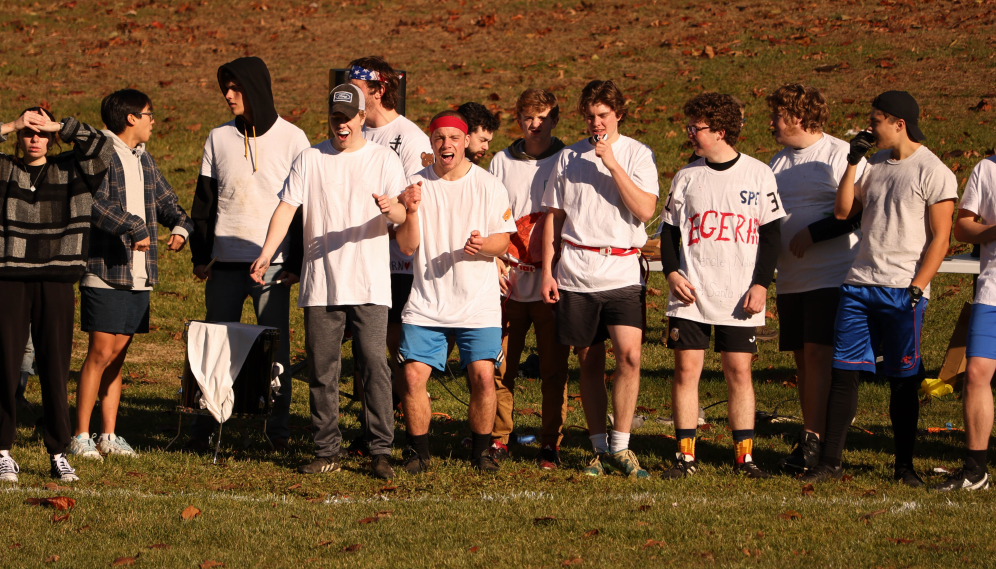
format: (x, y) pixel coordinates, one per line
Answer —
(82, 436)
(5, 453)
(600, 443)
(620, 441)
(106, 437)
(54, 457)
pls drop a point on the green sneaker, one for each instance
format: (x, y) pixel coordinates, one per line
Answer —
(83, 446)
(625, 462)
(594, 467)
(114, 444)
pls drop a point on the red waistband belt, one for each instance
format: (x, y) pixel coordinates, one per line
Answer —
(606, 251)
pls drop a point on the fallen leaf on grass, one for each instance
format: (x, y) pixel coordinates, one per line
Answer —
(789, 515)
(544, 520)
(651, 291)
(351, 548)
(746, 551)
(14, 546)
(644, 507)
(388, 488)
(370, 520)
(189, 513)
(384, 513)
(194, 127)
(324, 543)
(294, 486)
(474, 549)
(52, 558)
(591, 533)
(135, 474)
(900, 540)
(847, 478)
(211, 563)
(571, 561)
(652, 543)
(867, 517)
(808, 490)
(868, 493)
(57, 518)
(158, 546)
(58, 502)
(124, 561)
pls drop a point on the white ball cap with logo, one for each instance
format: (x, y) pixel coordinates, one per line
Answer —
(346, 99)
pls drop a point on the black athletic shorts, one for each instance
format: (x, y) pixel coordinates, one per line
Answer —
(683, 334)
(806, 318)
(114, 311)
(401, 287)
(583, 318)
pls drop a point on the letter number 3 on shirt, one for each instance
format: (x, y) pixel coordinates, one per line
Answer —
(774, 201)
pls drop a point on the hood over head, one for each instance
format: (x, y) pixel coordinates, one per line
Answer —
(254, 77)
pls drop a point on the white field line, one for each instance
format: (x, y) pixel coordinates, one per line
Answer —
(675, 500)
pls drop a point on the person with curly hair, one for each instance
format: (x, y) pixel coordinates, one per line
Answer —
(720, 235)
(815, 254)
(483, 125)
(603, 189)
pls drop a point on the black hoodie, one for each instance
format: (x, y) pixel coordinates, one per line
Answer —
(253, 75)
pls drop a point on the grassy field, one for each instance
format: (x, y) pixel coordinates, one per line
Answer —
(255, 509)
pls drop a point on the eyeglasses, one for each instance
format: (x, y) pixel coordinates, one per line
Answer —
(150, 114)
(692, 130)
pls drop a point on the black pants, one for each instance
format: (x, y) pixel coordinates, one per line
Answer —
(47, 309)
(842, 405)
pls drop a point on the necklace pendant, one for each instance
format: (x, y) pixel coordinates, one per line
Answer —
(32, 188)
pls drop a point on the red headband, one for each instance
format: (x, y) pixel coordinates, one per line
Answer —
(447, 121)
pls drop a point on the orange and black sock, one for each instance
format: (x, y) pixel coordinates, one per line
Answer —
(743, 444)
(686, 441)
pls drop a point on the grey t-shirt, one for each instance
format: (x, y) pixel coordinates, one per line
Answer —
(895, 195)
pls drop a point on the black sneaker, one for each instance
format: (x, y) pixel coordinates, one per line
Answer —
(380, 465)
(414, 464)
(485, 463)
(965, 479)
(684, 465)
(358, 446)
(749, 469)
(822, 473)
(498, 450)
(908, 476)
(321, 464)
(805, 455)
(61, 470)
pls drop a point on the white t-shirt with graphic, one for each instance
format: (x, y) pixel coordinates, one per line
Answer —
(412, 146)
(807, 184)
(718, 214)
(895, 227)
(451, 288)
(247, 198)
(345, 233)
(596, 216)
(980, 199)
(526, 181)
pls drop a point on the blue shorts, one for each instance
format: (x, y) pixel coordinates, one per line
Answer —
(873, 317)
(982, 332)
(427, 344)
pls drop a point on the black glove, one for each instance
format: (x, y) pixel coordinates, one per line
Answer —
(860, 145)
(915, 295)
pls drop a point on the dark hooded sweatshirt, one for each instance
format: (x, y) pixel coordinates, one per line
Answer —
(254, 77)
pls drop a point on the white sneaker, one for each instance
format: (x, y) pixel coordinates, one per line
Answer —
(61, 470)
(82, 445)
(114, 444)
(8, 469)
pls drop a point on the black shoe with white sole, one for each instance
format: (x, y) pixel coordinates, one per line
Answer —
(61, 470)
(822, 473)
(965, 479)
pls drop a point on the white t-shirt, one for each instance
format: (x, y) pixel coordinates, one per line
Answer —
(718, 214)
(895, 227)
(526, 181)
(980, 199)
(452, 289)
(412, 145)
(807, 184)
(345, 233)
(596, 216)
(246, 199)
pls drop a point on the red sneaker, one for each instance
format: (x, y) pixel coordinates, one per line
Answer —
(498, 450)
(549, 458)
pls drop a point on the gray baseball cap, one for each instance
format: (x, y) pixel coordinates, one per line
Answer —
(346, 99)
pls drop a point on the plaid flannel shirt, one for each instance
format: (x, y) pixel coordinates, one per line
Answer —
(116, 229)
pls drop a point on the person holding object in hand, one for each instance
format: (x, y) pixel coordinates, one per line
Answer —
(45, 225)
(603, 189)
(726, 211)
(906, 199)
(122, 267)
(458, 220)
(345, 189)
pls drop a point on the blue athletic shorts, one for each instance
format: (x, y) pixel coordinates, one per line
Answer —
(982, 332)
(428, 345)
(869, 317)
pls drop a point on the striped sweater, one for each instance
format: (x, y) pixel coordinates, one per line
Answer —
(45, 233)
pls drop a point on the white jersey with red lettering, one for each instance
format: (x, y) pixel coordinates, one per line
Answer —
(718, 214)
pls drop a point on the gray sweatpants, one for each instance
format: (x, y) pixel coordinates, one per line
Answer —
(224, 296)
(324, 327)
